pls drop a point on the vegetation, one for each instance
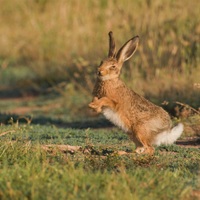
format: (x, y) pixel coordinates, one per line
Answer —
(29, 171)
(48, 56)
(59, 43)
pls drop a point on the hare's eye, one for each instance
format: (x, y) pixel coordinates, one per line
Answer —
(113, 67)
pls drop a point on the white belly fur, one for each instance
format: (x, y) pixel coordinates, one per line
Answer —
(114, 118)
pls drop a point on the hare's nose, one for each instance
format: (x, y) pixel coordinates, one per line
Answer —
(99, 72)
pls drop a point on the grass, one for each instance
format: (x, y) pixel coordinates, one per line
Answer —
(28, 171)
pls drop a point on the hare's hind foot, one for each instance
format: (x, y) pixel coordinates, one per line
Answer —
(145, 150)
(140, 150)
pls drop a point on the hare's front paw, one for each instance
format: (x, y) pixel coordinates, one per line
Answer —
(96, 105)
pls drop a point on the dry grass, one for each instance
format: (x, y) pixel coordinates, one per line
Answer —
(61, 30)
(62, 42)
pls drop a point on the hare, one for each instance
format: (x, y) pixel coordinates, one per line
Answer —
(146, 123)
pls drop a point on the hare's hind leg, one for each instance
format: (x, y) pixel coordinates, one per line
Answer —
(142, 140)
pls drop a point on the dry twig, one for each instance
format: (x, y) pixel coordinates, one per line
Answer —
(4, 133)
(73, 149)
(64, 148)
(187, 106)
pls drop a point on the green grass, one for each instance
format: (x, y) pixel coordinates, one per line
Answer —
(29, 172)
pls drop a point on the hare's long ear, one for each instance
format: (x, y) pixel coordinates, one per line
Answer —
(127, 50)
(112, 51)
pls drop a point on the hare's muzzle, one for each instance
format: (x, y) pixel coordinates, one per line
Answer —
(100, 73)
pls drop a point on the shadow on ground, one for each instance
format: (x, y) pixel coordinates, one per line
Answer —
(42, 120)
(190, 142)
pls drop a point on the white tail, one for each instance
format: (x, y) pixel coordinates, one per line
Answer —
(169, 137)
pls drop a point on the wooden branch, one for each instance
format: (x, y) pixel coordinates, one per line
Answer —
(64, 148)
(73, 149)
(186, 105)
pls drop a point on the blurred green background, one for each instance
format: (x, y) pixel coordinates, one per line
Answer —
(49, 51)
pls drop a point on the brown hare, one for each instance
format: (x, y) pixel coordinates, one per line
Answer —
(145, 123)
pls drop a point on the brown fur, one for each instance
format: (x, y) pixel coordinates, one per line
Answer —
(141, 119)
